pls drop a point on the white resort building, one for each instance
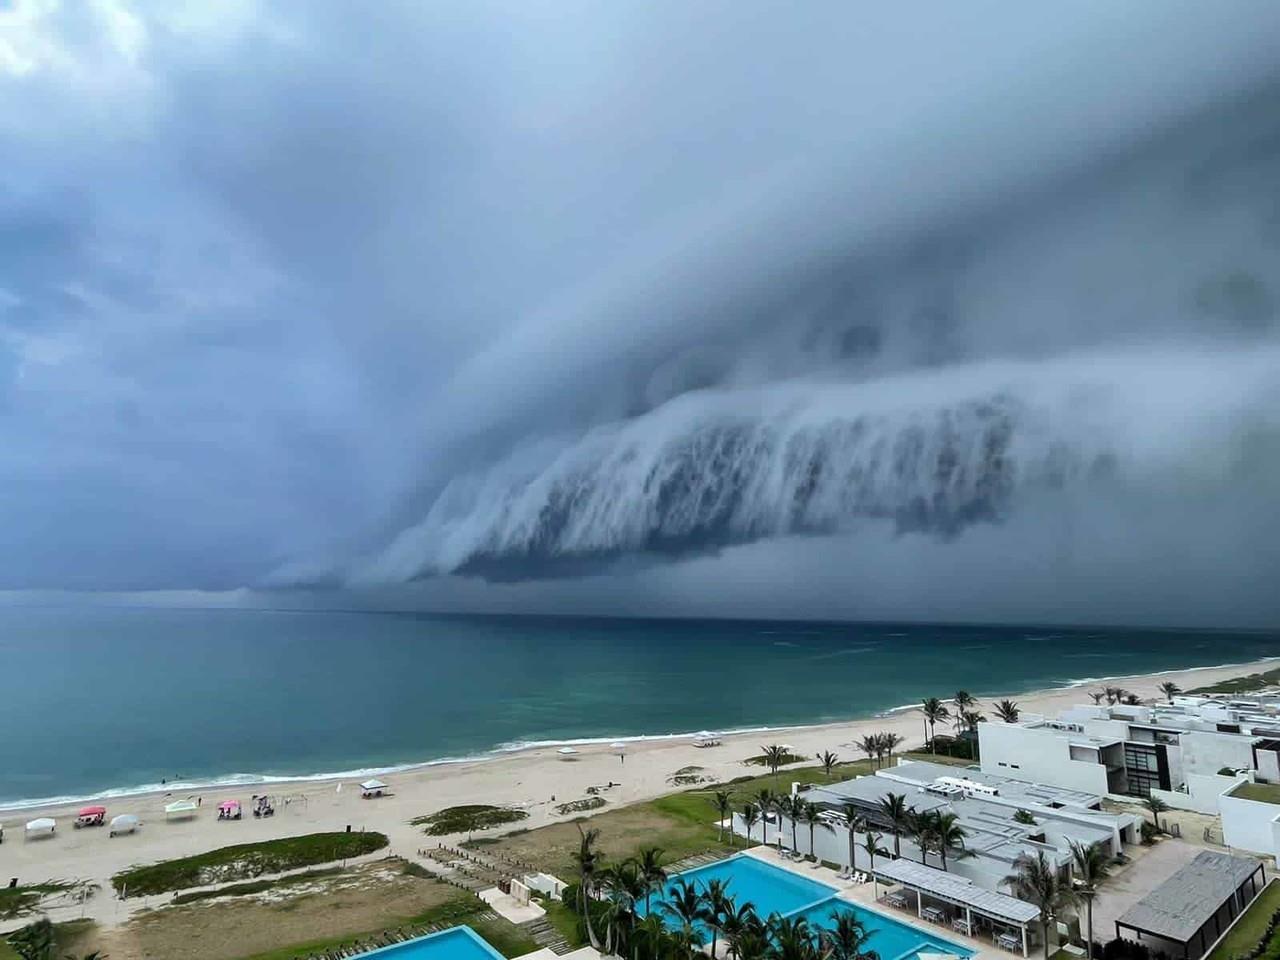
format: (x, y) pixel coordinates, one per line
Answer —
(1216, 755)
(1003, 819)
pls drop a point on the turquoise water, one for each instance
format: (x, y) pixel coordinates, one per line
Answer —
(767, 888)
(117, 699)
(773, 890)
(457, 943)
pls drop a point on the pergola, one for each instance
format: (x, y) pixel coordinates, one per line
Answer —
(960, 892)
(1194, 906)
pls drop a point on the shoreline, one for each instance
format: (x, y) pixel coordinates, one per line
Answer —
(233, 781)
(537, 780)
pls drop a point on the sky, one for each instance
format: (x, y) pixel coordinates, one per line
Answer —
(918, 311)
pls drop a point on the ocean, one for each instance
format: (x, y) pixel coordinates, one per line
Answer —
(102, 700)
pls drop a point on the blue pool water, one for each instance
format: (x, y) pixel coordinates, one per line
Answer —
(457, 943)
(773, 890)
(769, 889)
(889, 938)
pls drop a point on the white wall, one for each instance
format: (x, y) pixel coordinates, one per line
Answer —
(1249, 824)
(1038, 754)
(1202, 793)
(1206, 753)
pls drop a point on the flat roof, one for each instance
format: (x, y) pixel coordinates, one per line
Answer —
(1183, 904)
(958, 890)
(923, 772)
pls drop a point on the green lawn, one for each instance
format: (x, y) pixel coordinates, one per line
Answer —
(244, 861)
(1254, 681)
(1244, 936)
(457, 911)
(1262, 792)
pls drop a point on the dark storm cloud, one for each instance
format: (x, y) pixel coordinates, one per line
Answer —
(637, 294)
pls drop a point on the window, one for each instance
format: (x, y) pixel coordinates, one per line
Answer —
(1147, 768)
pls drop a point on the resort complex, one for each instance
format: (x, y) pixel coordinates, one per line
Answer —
(1005, 832)
(1216, 755)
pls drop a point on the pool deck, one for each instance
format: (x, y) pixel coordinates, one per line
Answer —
(864, 896)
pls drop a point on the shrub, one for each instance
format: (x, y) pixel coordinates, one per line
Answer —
(244, 861)
(1149, 832)
(1023, 816)
(467, 818)
(1121, 949)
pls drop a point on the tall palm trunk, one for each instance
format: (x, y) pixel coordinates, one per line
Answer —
(1088, 914)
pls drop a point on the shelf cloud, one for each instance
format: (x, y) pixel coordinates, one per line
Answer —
(922, 312)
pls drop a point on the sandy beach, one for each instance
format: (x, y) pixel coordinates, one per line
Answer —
(534, 779)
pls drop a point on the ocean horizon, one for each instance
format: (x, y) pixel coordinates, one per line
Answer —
(110, 701)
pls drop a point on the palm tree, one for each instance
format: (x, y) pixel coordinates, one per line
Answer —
(1089, 863)
(811, 813)
(871, 846)
(792, 808)
(1132, 699)
(766, 800)
(737, 923)
(1038, 882)
(1170, 689)
(1007, 710)
(652, 932)
(792, 939)
(625, 885)
(963, 701)
(934, 712)
(774, 756)
(1156, 806)
(649, 865)
(920, 825)
(845, 938)
(947, 833)
(1097, 696)
(589, 861)
(828, 761)
(894, 808)
(723, 802)
(686, 904)
(889, 742)
(856, 822)
(718, 905)
(749, 817)
(870, 745)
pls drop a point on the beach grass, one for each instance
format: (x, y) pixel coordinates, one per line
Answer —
(1248, 931)
(256, 886)
(18, 901)
(467, 818)
(1245, 684)
(244, 861)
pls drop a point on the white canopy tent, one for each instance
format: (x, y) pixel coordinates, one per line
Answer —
(566, 753)
(373, 784)
(41, 826)
(124, 823)
(181, 808)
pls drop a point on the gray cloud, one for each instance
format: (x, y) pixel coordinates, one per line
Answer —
(711, 309)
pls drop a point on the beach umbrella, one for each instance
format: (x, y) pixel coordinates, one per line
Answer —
(618, 746)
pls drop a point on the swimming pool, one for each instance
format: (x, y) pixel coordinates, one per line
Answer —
(456, 943)
(775, 890)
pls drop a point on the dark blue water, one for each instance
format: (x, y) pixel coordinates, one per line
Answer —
(98, 699)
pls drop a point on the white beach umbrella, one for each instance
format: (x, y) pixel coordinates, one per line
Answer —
(618, 746)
